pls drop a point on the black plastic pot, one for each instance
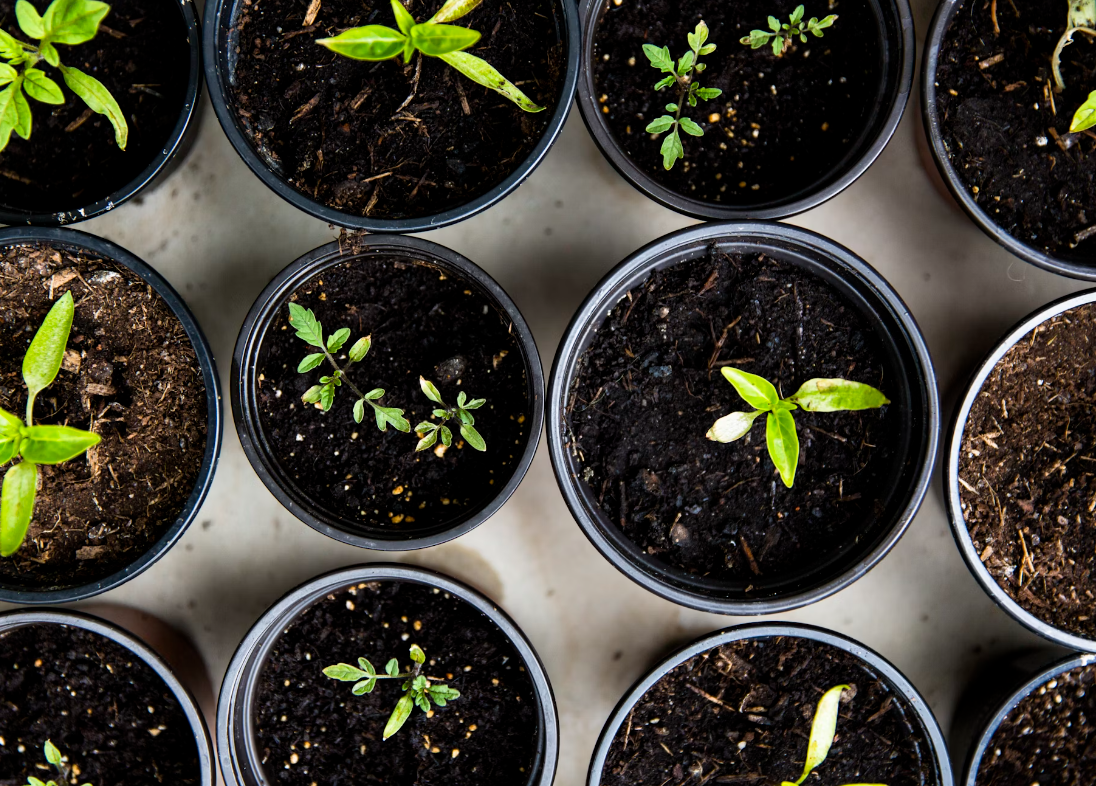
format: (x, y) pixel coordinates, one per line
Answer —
(877, 663)
(898, 48)
(245, 405)
(236, 749)
(984, 708)
(1075, 266)
(17, 619)
(220, 61)
(160, 167)
(951, 475)
(917, 397)
(104, 248)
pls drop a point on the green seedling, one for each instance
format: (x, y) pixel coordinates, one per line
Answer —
(66, 22)
(1085, 117)
(418, 690)
(433, 38)
(1081, 18)
(781, 36)
(36, 444)
(683, 74)
(429, 433)
(54, 757)
(823, 730)
(322, 395)
(816, 395)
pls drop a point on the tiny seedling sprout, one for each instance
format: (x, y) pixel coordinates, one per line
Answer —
(782, 35)
(418, 689)
(430, 432)
(816, 395)
(1080, 19)
(66, 22)
(36, 444)
(322, 395)
(823, 730)
(54, 757)
(432, 38)
(683, 74)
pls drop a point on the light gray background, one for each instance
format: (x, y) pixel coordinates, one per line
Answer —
(219, 236)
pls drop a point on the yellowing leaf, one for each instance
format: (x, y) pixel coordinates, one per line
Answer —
(483, 73)
(95, 94)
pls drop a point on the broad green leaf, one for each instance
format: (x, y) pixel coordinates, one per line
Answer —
(837, 395)
(53, 756)
(372, 42)
(73, 21)
(392, 668)
(671, 107)
(660, 57)
(47, 349)
(7, 74)
(41, 88)
(430, 391)
(454, 9)
(797, 15)
(95, 94)
(399, 715)
(344, 672)
(691, 128)
(660, 124)
(327, 396)
(310, 362)
(374, 394)
(783, 444)
(441, 694)
(672, 149)
(1085, 116)
(10, 47)
(365, 686)
(778, 46)
(307, 326)
(437, 40)
(757, 391)
(466, 417)
(823, 729)
(55, 444)
(336, 340)
(756, 39)
(774, 24)
(360, 349)
(483, 73)
(9, 423)
(699, 36)
(708, 93)
(22, 111)
(359, 410)
(313, 394)
(685, 63)
(403, 18)
(16, 506)
(29, 20)
(9, 448)
(734, 426)
(49, 52)
(417, 655)
(472, 437)
(429, 438)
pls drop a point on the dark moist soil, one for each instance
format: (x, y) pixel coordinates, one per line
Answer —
(311, 729)
(101, 705)
(71, 159)
(343, 132)
(1011, 149)
(742, 713)
(781, 124)
(650, 386)
(423, 321)
(1048, 738)
(131, 376)
(1027, 472)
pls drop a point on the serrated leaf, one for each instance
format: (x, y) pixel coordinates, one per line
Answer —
(310, 362)
(660, 124)
(472, 437)
(392, 668)
(16, 506)
(837, 395)
(336, 340)
(73, 21)
(344, 672)
(55, 444)
(29, 20)
(660, 57)
(437, 40)
(393, 416)
(372, 42)
(1085, 116)
(360, 349)
(816, 26)
(756, 391)
(399, 715)
(41, 88)
(47, 349)
(778, 46)
(98, 99)
(483, 73)
(305, 323)
(701, 32)
(455, 9)
(783, 444)
(691, 128)
(797, 15)
(734, 426)
(672, 149)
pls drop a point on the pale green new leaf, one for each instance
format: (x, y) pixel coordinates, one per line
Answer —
(372, 42)
(55, 444)
(10, 425)
(403, 18)
(336, 340)
(360, 349)
(9, 447)
(95, 94)
(327, 396)
(672, 149)
(16, 506)
(823, 729)
(11, 48)
(430, 391)
(665, 82)
(734, 426)
(757, 391)
(756, 39)
(797, 15)
(29, 20)
(417, 655)
(49, 52)
(32, 781)
(47, 349)
(454, 9)
(73, 21)
(1085, 116)
(344, 672)
(472, 437)
(837, 395)
(483, 73)
(53, 756)
(815, 26)
(7, 74)
(399, 715)
(41, 88)
(437, 40)
(783, 444)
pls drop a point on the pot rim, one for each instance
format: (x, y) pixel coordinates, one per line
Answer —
(214, 422)
(245, 406)
(809, 197)
(244, 669)
(952, 500)
(855, 271)
(11, 620)
(216, 53)
(986, 732)
(175, 143)
(941, 20)
(756, 630)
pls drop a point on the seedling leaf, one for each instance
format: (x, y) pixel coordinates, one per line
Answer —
(310, 362)
(734, 426)
(47, 349)
(98, 99)
(399, 715)
(55, 444)
(430, 391)
(837, 395)
(483, 73)
(336, 340)
(783, 444)
(392, 668)
(1085, 117)
(756, 391)
(53, 756)
(359, 410)
(40, 87)
(689, 127)
(417, 655)
(372, 42)
(436, 40)
(360, 349)
(344, 672)
(660, 124)
(403, 17)
(74, 21)
(455, 9)
(16, 506)
(472, 437)
(29, 20)
(823, 729)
